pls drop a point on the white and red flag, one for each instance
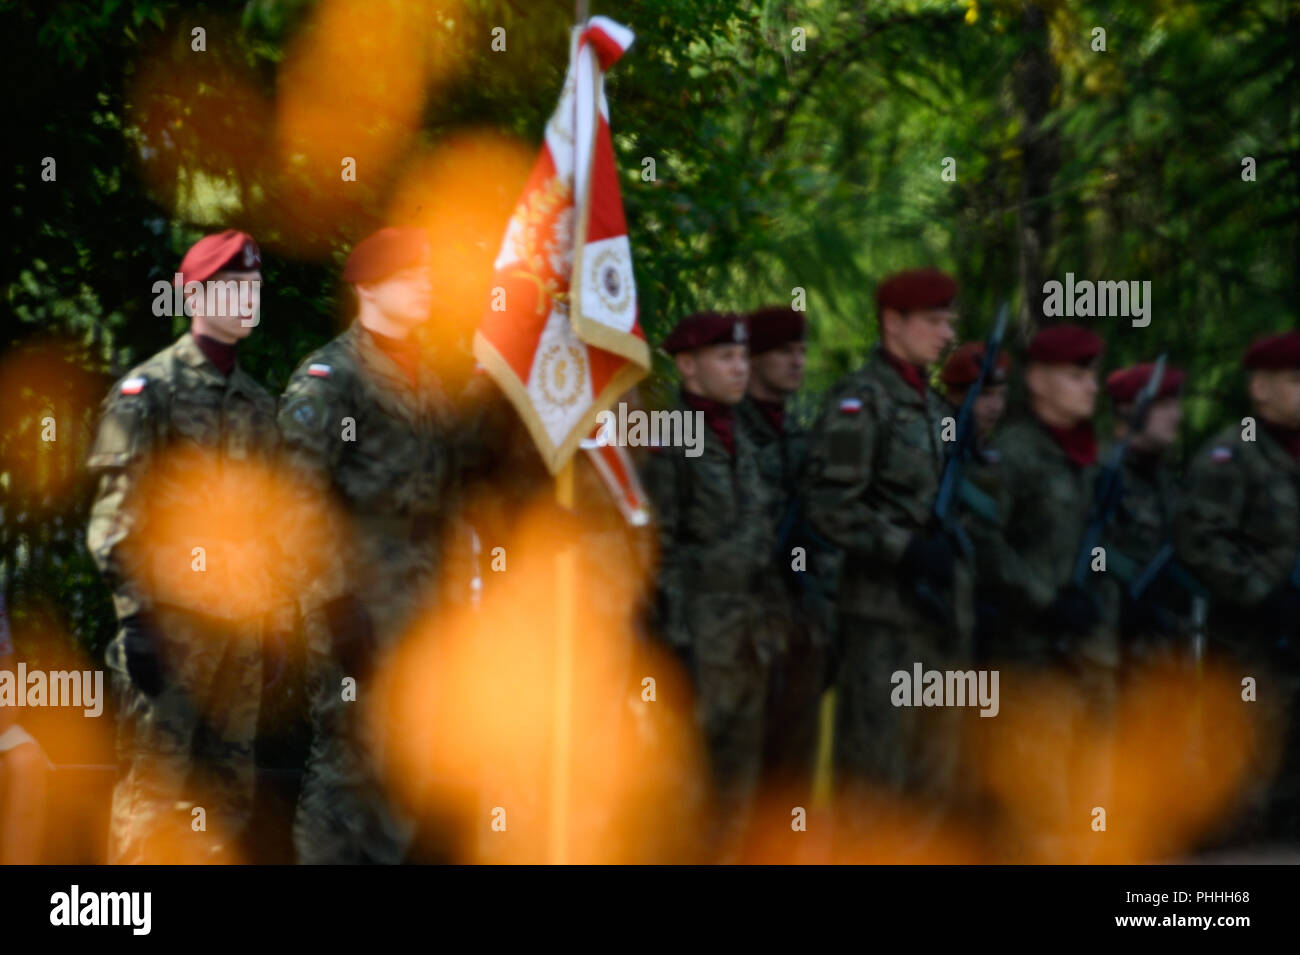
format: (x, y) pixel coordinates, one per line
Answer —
(560, 335)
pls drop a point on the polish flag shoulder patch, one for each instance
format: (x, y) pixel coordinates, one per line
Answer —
(133, 385)
(317, 370)
(1221, 454)
(850, 406)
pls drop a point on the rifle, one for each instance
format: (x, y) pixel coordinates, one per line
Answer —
(1108, 487)
(943, 514)
(1152, 570)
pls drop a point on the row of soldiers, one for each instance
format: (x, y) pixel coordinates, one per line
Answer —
(874, 584)
(787, 561)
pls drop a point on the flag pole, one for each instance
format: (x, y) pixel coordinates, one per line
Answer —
(566, 582)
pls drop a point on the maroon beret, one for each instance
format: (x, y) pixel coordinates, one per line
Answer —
(963, 366)
(1065, 345)
(1273, 352)
(1123, 384)
(230, 249)
(707, 328)
(382, 253)
(774, 326)
(916, 288)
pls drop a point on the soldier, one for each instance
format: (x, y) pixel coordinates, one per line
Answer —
(1046, 465)
(366, 425)
(718, 598)
(959, 373)
(1049, 623)
(186, 666)
(776, 362)
(1143, 523)
(1238, 529)
(875, 464)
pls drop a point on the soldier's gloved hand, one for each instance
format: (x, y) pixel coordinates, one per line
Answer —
(1072, 613)
(143, 660)
(352, 634)
(930, 556)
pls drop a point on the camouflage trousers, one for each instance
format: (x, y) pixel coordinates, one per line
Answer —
(883, 749)
(735, 640)
(1269, 807)
(730, 703)
(344, 815)
(793, 709)
(188, 789)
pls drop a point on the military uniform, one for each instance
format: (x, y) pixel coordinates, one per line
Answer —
(718, 600)
(976, 502)
(1238, 530)
(800, 676)
(1142, 526)
(716, 593)
(1044, 484)
(381, 450)
(875, 464)
(189, 741)
(1043, 501)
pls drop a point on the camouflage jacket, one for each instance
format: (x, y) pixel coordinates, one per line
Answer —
(1238, 525)
(874, 466)
(1145, 517)
(783, 465)
(176, 401)
(1044, 502)
(782, 455)
(717, 588)
(1143, 524)
(378, 460)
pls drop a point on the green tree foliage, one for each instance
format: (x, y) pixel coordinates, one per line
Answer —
(796, 145)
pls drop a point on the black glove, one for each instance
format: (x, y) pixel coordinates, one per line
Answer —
(930, 557)
(1073, 613)
(143, 644)
(352, 634)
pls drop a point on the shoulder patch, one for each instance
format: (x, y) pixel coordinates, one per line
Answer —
(850, 406)
(319, 370)
(304, 410)
(1221, 453)
(134, 385)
